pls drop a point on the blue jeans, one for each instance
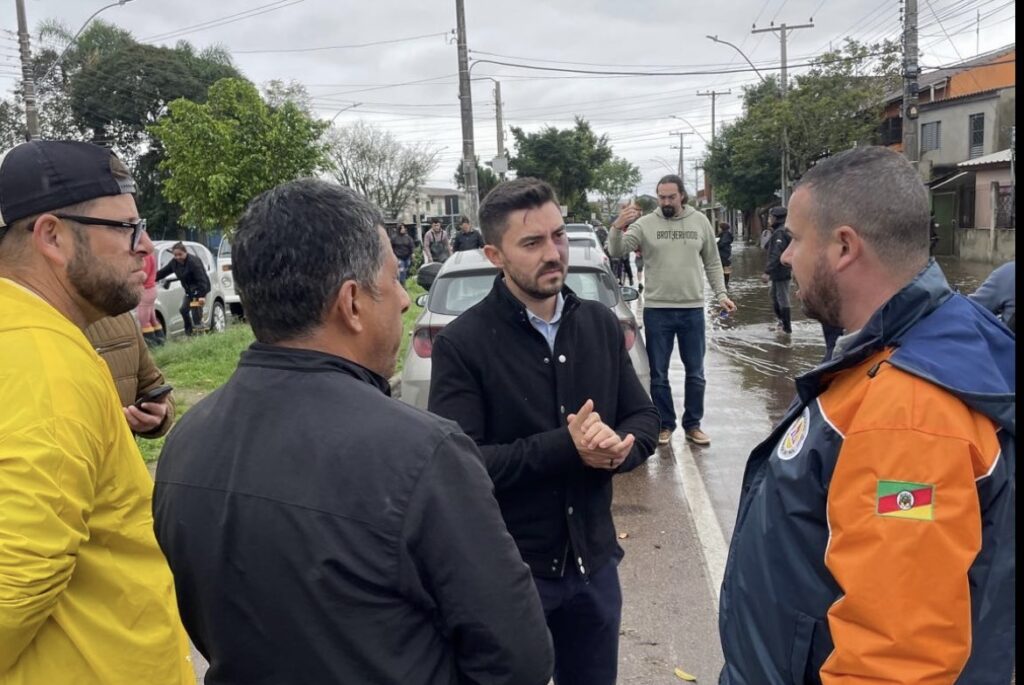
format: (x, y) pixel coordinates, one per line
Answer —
(403, 269)
(663, 327)
(584, 618)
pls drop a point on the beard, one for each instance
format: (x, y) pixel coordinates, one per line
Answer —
(820, 298)
(98, 283)
(532, 286)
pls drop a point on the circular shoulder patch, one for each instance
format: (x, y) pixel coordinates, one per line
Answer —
(795, 437)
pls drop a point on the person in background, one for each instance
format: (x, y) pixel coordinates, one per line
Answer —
(679, 248)
(152, 332)
(639, 257)
(436, 247)
(119, 342)
(777, 272)
(602, 235)
(933, 234)
(725, 250)
(998, 294)
(195, 284)
(403, 246)
(875, 535)
(86, 597)
(468, 238)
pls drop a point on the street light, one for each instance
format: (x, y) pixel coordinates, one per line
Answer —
(75, 37)
(343, 109)
(725, 42)
(692, 127)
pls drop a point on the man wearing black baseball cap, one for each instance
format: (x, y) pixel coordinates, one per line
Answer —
(777, 272)
(85, 593)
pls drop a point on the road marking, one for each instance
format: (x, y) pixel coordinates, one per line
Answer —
(709, 532)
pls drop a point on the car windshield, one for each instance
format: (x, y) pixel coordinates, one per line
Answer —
(458, 292)
(578, 228)
(224, 252)
(581, 241)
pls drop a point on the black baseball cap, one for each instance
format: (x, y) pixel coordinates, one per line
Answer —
(779, 212)
(44, 175)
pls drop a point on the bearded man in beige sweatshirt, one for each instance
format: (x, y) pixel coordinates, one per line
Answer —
(679, 248)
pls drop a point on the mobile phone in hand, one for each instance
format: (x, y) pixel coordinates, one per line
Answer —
(154, 395)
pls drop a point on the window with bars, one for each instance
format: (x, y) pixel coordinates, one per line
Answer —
(931, 136)
(976, 136)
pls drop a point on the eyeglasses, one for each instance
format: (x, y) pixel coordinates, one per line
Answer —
(136, 227)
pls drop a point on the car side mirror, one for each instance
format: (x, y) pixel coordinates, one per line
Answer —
(421, 301)
(629, 294)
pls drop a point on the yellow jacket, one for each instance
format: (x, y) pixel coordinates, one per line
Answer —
(85, 593)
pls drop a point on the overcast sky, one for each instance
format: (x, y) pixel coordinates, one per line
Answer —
(410, 85)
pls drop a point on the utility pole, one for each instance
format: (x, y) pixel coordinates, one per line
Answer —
(713, 94)
(466, 101)
(682, 135)
(910, 72)
(501, 127)
(31, 114)
(783, 30)
(697, 166)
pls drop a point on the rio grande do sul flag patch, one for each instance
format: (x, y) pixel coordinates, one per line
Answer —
(899, 499)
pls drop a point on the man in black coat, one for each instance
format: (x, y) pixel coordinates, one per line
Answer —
(191, 273)
(777, 272)
(467, 238)
(318, 530)
(541, 380)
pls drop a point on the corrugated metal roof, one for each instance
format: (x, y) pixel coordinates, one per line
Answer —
(1001, 157)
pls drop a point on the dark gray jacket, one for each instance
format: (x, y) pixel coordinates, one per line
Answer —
(322, 532)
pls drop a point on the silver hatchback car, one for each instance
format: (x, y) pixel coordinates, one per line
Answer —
(169, 292)
(467, 277)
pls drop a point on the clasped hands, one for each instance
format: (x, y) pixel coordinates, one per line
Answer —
(599, 446)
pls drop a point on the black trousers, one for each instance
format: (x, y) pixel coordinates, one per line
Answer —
(191, 316)
(584, 617)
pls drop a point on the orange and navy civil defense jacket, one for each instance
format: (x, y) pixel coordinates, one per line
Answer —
(875, 535)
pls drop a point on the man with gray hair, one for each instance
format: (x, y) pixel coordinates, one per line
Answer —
(875, 535)
(318, 530)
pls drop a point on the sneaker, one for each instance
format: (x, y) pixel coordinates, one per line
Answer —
(665, 436)
(698, 437)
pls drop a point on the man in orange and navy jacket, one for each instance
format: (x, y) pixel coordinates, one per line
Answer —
(875, 535)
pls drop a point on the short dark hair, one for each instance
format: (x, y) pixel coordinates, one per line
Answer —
(178, 246)
(879, 193)
(464, 220)
(435, 220)
(295, 246)
(674, 178)
(508, 197)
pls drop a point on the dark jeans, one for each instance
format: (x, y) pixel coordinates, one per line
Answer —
(664, 327)
(583, 617)
(403, 269)
(191, 316)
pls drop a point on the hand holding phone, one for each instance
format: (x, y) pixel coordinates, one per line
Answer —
(154, 395)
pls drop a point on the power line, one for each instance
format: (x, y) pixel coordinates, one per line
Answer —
(340, 47)
(222, 21)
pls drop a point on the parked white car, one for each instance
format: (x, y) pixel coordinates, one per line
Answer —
(466, 278)
(169, 292)
(227, 279)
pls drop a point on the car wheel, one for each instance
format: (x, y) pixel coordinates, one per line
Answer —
(218, 319)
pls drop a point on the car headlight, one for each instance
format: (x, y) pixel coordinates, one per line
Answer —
(226, 281)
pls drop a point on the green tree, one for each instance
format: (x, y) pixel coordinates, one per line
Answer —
(565, 158)
(374, 162)
(221, 154)
(486, 179)
(835, 105)
(613, 180)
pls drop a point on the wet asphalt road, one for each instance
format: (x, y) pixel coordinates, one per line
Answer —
(675, 514)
